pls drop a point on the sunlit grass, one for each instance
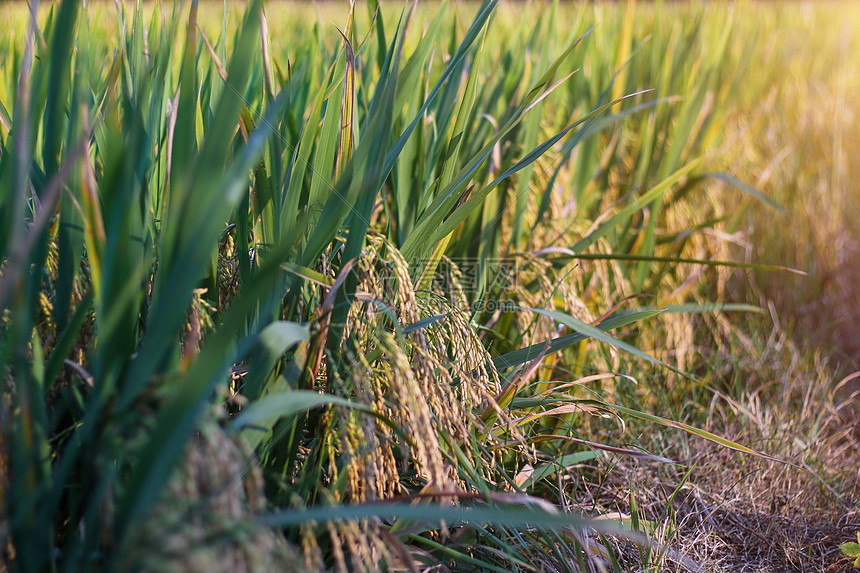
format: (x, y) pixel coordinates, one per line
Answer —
(406, 270)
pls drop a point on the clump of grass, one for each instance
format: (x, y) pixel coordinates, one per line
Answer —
(205, 518)
(720, 508)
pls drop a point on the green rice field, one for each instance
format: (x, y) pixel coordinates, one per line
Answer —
(458, 286)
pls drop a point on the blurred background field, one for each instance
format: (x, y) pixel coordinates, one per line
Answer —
(219, 252)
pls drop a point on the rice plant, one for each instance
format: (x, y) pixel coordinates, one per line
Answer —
(285, 295)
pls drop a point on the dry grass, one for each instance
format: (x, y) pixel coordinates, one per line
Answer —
(738, 513)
